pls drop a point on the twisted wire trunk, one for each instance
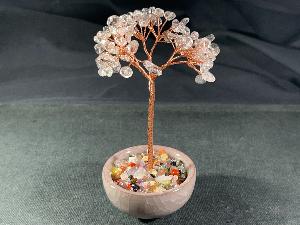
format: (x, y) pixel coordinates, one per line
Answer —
(150, 122)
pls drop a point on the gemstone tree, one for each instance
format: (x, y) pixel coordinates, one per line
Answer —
(121, 38)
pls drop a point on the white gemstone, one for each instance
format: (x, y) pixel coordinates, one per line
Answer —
(122, 30)
(133, 46)
(215, 49)
(126, 71)
(184, 42)
(175, 24)
(145, 19)
(133, 159)
(206, 66)
(159, 12)
(98, 49)
(185, 20)
(96, 39)
(112, 20)
(199, 80)
(137, 15)
(125, 58)
(152, 68)
(120, 40)
(112, 48)
(180, 28)
(148, 65)
(117, 68)
(104, 34)
(163, 178)
(194, 35)
(202, 42)
(140, 173)
(151, 9)
(210, 37)
(105, 71)
(169, 15)
(157, 71)
(124, 176)
(208, 76)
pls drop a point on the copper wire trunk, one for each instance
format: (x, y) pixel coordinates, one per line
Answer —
(151, 122)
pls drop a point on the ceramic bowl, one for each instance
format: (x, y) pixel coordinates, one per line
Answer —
(149, 205)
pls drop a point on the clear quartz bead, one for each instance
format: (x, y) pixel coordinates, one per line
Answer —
(97, 39)
(185, 21)
(125, 58)
(105, 71)
(120, 40)
(112, 48)
(184, 42)
(206, 66)
(133, 46)
(159, 12)
(210, 37)
(215, 49)
(152, 68)
(194, 35)
(148, 65)
(202, 42)
(199, 80)
(175, 24)
(126, 72)
(208, 76)
(169, 15)
(98, 49)
(112, 20)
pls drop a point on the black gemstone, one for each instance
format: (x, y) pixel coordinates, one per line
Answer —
(135, 187)
(173, 163)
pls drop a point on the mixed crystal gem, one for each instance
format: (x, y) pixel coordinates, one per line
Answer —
(131, 173)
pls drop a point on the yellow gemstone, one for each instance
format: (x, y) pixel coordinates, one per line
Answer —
(166, 182)
(116, 172)
(164, 157)
(154, 172)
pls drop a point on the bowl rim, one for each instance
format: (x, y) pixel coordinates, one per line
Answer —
(191, 175)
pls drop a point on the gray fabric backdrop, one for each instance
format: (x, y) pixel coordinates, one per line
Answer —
(47, 52)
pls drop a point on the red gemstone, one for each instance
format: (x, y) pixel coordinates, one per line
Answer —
(131, 164)
(175, 172)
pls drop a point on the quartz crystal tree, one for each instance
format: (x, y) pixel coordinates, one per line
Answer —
(120, 40)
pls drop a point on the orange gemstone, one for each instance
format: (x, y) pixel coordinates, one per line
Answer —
(175, 172)
(128, 186)
(123, 168)
(161, 151)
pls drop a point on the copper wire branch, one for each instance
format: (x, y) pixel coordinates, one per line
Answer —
(142, 34)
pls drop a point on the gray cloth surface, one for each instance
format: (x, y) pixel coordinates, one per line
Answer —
(247, 159)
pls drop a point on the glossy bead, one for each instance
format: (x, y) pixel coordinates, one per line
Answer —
(174, 171)
(173, 162)
(161, 151)
(128, 186)
(135, 187)
(115, 173)
(133, 181)
(131, 164)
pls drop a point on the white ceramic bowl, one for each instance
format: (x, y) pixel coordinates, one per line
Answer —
(149, 205)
